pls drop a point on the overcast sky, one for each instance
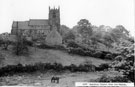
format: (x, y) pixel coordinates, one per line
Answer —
(98, 12)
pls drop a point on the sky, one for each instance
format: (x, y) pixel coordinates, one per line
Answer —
(98, 12)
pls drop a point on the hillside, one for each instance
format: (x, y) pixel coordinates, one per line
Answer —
(44, 56)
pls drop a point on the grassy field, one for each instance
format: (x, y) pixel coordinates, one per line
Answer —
(67, 79)
(51, 56)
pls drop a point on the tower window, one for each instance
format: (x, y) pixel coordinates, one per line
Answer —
(54, 15)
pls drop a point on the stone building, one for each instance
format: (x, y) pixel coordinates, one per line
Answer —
(36, 28)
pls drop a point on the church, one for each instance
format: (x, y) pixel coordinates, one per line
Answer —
(39, 28)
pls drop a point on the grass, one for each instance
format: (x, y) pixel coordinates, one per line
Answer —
(48, 56)
(51, 56)
(44, 79)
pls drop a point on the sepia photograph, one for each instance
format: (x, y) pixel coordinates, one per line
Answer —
(67, 43)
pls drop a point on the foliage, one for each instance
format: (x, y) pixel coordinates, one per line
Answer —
(21, 46)
(106, 78)
(64, 30)
(43, 67)
(97, 54)
(56, 47)
(94, 41)
(72, 44)
(79, 51)
(119, 32)
(84, 28)
(29, 43)
(2, 58)
(44, 46)
(102, 67)
(131, 39)
(108, 40)
(125, 63)
(109, 56)
(74, 48)
(109, 36)
(5, 40)
(70, 36)
(123, 30)
(119, 58)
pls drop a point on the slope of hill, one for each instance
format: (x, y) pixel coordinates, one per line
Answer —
(67, 79)
(45, 56)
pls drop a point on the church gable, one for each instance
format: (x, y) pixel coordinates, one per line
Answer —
(53, 38)
(14, 25)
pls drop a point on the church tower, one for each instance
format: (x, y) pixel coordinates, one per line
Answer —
(54, 18)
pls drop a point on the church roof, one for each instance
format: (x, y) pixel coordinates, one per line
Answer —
(38, 22)
(30, 23)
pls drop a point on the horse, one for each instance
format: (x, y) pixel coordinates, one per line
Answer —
(55, 79)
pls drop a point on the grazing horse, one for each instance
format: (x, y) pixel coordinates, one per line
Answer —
(55, 79)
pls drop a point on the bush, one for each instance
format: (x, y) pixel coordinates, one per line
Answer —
(73, 68)
(119, 58)
(57, 67)
(44, 46)
(130, 75)
(102, 67)
(92, 53)
(102, 56)
(106, 78)
(125, 63)
(97, 54)
(43, 67)
(78, 51)
(20, 47)
(73, 44)
(109, 56)
(2, 59)
(89, 53)
(29, 43)
(60, 47)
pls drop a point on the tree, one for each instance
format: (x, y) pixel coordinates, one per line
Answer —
(70, 36)
(20, 46)
(125, 63)
(5, 40)
(64, 30)
(84, 28)
(123, 30)
(131, 39)
(75, 28)
(108, 40)
(119, 32)
(2, 58)
(94, 40)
